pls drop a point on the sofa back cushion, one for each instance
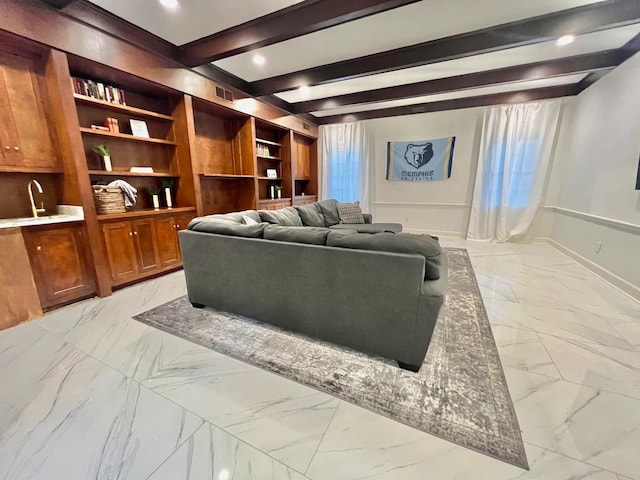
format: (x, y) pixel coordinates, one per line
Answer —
(396, 243)
(285, 216)
(311, 215)
(329, 210)
(229, 218)
(228, 228)
(309, 235)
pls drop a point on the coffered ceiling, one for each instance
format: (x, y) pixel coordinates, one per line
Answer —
(341, 60)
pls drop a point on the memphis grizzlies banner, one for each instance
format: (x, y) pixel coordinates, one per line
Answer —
(424, 161)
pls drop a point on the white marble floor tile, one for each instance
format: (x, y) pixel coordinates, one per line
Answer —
(213, 454)
(590, 425)
(492, 288)
(275, 415)
(597, 366)
(70, 417)
(580, 326)
(362, 445)
(523, 349)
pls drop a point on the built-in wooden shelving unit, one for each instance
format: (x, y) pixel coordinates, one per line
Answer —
(146, 212)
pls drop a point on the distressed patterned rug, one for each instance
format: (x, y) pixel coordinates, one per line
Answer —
(460, 393)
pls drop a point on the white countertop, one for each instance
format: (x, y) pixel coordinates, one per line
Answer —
(66, 213)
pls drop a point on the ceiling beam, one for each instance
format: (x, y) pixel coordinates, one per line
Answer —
(58, 3)
(299, 19)
(543, 28)
(457, 103)
(530, 71)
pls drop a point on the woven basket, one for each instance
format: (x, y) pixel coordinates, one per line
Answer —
(108, 199)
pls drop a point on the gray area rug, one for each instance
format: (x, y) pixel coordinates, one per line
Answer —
(460, 393)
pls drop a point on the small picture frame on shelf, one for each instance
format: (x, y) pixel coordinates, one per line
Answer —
(139, 128)
(272, 173)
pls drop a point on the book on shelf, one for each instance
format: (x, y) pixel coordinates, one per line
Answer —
(141, 169)
(112, 124)
(98, 90)
(100, 127)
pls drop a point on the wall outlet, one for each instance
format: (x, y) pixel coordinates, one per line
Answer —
(598, 247)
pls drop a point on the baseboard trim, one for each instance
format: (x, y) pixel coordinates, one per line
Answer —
(621, 284)
(604, 221)
(437, 233)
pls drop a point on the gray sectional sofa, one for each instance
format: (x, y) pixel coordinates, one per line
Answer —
(378, 292)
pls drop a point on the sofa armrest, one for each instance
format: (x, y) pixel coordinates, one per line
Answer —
(368, 218)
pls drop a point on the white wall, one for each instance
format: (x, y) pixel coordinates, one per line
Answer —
(437, 207)
(440, 208)
(594, 178)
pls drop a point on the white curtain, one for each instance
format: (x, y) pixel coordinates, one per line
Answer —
(515, 150)
(344, 150)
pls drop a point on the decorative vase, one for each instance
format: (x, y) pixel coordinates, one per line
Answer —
(167, 194)
(280, 193)
(272, 192)
(106, 160)
(156, 201)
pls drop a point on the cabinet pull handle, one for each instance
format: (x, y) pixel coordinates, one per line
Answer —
(16, 149)
(38, 248)
(7, 147)
(131, 234)
(135, 233)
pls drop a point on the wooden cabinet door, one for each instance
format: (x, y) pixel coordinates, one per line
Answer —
(146, 247)
(118, 239)
(24, 127)
(303, 169)
(166, 234)
(59, 264)
(182, 222)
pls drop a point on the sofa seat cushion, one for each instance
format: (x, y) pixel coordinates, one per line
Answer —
(311, 215)
(285, 216)
(231, 229)
(309, 235)
(329, 210)
(389, 242)
(370, 227)
(350, 213)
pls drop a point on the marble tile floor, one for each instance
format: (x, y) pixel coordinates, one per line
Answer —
(88, 393)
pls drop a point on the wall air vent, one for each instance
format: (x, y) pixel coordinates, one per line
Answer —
(224, 94)
(219, 92)
(228, 95)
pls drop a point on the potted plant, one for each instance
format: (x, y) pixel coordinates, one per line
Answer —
(167, 183)
(155, 196)
(103, 151)
(279, 191)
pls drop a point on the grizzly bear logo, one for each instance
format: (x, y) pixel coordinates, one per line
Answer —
(418, 155)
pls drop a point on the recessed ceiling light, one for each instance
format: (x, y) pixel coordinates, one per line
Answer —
(565, 40)
(172, 4)
(304, 91)
(259, 60)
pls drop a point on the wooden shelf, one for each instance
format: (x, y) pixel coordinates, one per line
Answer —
(268, 142)
(226, 175)
(126, 173)
(269, 157)
(306, 196)
(302, 179)
(274, 200)
(24, 169)
(270, 178)
(138, 112)
(125, 136)
(144, 213)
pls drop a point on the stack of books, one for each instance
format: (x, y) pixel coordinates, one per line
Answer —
(98, 90)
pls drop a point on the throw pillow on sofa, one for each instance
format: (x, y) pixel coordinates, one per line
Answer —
(350, 213)
(248, 220)
(396, 243)
(285, 216)
(308, 235)
(311, 215)
(329, 210)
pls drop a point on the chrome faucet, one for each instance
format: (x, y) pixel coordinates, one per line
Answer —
(35, 211)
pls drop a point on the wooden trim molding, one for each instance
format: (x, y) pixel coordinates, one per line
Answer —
(299, 19)
(578, 20)
(530, 71)
(456, 104)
